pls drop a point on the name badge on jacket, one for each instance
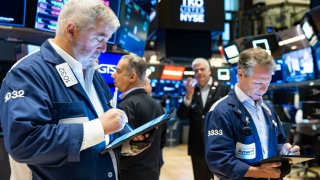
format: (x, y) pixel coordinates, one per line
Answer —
(245, 151)
(66, 74)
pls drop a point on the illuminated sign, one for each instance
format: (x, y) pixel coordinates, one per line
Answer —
(192, 11)
(108, 65)
(172, 72)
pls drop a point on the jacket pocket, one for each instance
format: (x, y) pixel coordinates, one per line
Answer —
(69, 112)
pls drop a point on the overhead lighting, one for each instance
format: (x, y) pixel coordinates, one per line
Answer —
(291, 40)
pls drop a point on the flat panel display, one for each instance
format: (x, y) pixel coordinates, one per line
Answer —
(134, 28)
(277, 76)
(47, 13)
(298, 65)
(231, 53)
(168, 87)
(12, 13)
(202, 15)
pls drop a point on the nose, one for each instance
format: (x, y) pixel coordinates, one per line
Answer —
(113, 75)
(264, 87)
(103, 45)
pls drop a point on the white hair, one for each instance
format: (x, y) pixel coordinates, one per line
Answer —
(84, 14)
(200, 61)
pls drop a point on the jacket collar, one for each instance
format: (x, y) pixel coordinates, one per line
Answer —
(49, 54)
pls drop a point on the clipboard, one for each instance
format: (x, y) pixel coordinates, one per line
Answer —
(293, 159)
(140, 130)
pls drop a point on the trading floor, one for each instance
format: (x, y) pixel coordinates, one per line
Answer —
(177, 166)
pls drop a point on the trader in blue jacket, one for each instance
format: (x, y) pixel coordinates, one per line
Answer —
(54, 104)
(241, 129)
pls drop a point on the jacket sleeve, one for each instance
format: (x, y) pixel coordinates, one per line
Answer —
(220, 146)
(30, 121)
(183, 111)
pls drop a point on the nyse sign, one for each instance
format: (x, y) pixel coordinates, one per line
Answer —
(107, 68)
(192, 11)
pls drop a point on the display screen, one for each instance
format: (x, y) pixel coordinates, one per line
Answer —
(231, 51)
(298, 65)
(203, 15)
(134, 28)
(223, 74)
(48, 11)
(108, 64)
(233, 75)
(307, 29)
(277, 76)
(47, 14)
(269, 42)
(167, 87)
(12, 13)
(316, 53)
(172, 72)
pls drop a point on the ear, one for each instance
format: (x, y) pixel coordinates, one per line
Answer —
(133, 77)
(240, 74)
(71, 30)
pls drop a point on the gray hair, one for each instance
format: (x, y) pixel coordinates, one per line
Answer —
(136, 64)
(84, 14)
(200, 61)
(255, 56)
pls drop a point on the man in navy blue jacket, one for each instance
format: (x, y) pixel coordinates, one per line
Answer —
(241, 129)
(55, 106)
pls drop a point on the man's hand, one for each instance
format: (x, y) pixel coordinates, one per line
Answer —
(190, 84)
(288, 149)
(265, 170)
(113, 120)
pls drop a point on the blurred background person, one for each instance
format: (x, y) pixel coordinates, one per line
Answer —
(140, 108)
(201, 93)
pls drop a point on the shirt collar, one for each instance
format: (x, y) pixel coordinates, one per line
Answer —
(209, 83)
(245, 98)
(124, 94)
(73, 63)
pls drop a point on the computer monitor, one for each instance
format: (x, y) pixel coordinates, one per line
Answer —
(308, 31)
(231, 53)
(298, 65)
(134, 28)
(12, 13)
(269, 42)
(233, 75)
(47, 13)
(277, 76)
(222, 74)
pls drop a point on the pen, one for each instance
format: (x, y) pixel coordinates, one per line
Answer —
(290, 148)
(114, 105)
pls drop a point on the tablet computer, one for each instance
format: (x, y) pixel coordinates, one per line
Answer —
(293, 159)
(140, 130)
